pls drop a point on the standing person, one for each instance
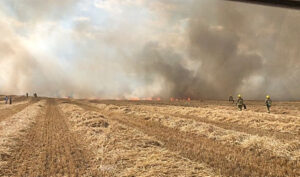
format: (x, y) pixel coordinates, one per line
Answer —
(268, 103)
(6, 99)
(27, 95)
(240, 102)
(10, 100)
(231, 99)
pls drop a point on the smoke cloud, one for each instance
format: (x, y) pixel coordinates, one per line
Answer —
(240, 48)
(206, 49)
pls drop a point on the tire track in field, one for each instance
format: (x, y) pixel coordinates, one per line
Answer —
(230, 160)
(49, 149)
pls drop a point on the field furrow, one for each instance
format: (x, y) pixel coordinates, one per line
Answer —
(204, 143)
(48, 148)
(235, 125)
(283, 127)
(68, 137)
(11, 132)
(121, 150)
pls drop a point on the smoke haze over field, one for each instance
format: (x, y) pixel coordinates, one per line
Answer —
(207, 49)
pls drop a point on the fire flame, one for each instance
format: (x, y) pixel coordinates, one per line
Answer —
(134, 99)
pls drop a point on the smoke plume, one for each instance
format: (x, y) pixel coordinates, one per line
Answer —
(206, 49)
(240, 48)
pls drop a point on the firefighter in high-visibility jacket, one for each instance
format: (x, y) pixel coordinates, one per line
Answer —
(268, 103)
(240, 103)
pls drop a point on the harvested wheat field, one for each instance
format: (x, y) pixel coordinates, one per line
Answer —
(67, 137)
(137, 88)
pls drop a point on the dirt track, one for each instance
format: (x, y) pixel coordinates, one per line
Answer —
(48, 149)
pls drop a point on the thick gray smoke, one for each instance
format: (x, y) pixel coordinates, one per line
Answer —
(240, 48)
(206, 49)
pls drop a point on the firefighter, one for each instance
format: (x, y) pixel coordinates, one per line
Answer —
(240, 103)
(6, 99)
(231, 99)
(268, 103)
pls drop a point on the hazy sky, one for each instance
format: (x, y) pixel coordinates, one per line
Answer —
(149, 48)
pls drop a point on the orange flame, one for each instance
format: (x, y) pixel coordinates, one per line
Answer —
(148, 99)
(134, 99)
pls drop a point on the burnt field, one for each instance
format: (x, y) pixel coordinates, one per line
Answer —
(68, 137)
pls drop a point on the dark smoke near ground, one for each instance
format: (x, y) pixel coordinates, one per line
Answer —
(206, 49)
(241, 48)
